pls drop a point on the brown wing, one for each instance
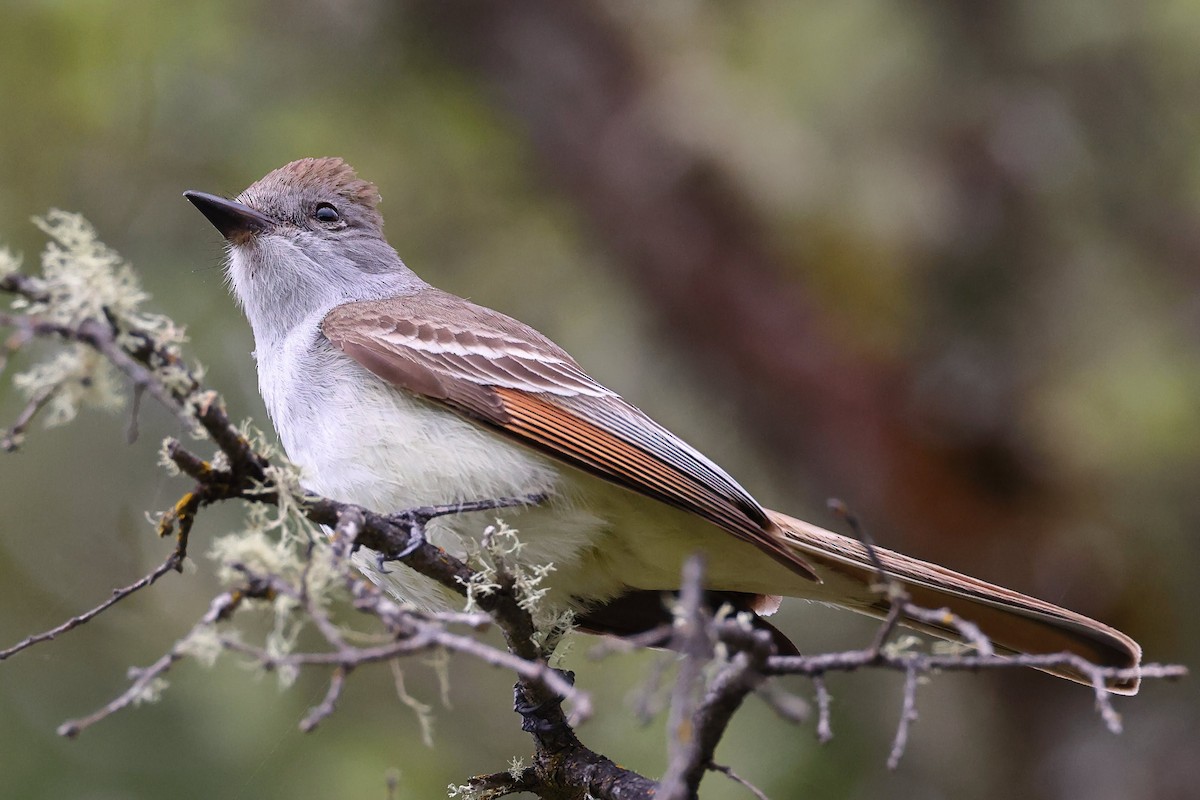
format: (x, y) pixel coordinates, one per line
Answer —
(507, 376)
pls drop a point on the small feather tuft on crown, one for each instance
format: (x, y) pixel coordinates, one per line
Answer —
(330, 173)
(288, 191)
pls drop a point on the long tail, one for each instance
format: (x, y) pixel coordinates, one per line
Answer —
(1015, 623)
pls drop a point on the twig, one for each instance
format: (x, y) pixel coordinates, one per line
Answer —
(423, 711)
(312, 607)
(135, 407)
(1112, 720)
(171, 563)
(824, 727)
(885, 630)
(839, 508)
(692, 640)
(786, 705)
(13, 436)
(654, 637)
(12, 344)
(695, 740)
(647, 700)
(944, 617)
(101, 337)
(728, 772)
(908, 715)
(337, 682)
(29, 288)
(145, 679)
(851, 660)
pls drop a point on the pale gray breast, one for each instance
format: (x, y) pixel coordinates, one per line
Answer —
(361, 440)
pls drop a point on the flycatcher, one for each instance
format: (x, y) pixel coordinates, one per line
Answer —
(392, 394)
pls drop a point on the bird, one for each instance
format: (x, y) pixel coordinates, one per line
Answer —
(392, 394)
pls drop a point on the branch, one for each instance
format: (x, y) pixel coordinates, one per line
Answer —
(24, 286)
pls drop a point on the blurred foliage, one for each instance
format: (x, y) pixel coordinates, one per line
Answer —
(1002, 197)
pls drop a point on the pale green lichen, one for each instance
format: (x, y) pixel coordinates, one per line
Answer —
(499, 553)
(465, 791)
(951, 648)
(203, 643)
(278, 540)
(82, 279)
(439, 662)
(74, 377)
(263, 550)
(9, 261)
(150, 692)
(165, 461)
(422, 711)
(902, 645)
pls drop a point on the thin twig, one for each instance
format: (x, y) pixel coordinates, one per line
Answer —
(12, 344)
(945, 618)
(692, 640)
(728, 772)
(24, 285)
(885, 630)
(135, 407)
(337, 682)
(908, 715)
(145, 679)
(648, 700)
(695, 739)
(851, 660)
(171, 563)
(102, 337)
(1112, 720)
(824, 727)
(11, 440)
(860, 532)
(608, 645)
(786, 705)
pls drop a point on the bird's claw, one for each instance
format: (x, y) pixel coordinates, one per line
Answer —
(416, 538)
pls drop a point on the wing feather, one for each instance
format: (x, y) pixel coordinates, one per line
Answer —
(507, 376)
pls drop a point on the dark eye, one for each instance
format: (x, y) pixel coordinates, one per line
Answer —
(326, 213)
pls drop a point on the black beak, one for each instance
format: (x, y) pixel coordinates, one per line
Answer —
(236, 221)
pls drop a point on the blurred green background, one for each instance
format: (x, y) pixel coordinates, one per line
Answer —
(941, 260)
